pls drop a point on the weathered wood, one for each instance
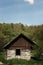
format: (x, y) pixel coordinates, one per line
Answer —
(20, 43)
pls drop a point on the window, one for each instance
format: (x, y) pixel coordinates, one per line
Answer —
(17, 51)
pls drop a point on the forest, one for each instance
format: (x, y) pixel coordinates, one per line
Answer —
(8, 31)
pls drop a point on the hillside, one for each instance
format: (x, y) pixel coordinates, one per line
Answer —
(10, 31)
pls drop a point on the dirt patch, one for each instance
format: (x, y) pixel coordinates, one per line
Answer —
(1, 63)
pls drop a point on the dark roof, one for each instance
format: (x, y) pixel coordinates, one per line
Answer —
(14, 40)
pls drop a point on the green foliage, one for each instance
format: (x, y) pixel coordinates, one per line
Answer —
(10, 31)
(21, 62)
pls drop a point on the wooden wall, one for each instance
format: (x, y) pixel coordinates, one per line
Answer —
(21, 43)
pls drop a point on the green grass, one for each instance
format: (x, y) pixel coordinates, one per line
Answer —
(21, 62)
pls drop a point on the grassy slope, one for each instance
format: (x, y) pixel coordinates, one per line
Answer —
(21, 62)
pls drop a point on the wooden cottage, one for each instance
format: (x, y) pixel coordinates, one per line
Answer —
(20, 47)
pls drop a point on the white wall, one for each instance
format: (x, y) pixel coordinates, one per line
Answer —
(25, 54)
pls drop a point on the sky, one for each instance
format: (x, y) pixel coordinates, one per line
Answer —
(28, 12)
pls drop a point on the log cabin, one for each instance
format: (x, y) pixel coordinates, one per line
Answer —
(20, 47)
